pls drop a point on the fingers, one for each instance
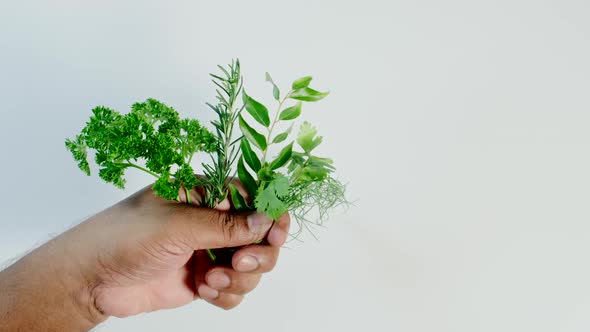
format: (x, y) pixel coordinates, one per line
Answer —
(202, 228)
(279, 231)
(221, 299)
(261, 258)
(255, 259)
(225, 287)
(230, 281)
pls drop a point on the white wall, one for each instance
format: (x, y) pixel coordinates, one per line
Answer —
(461, 126)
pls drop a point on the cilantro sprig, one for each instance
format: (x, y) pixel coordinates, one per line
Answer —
(153, 138)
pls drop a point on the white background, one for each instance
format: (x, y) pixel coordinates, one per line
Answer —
(461, 127)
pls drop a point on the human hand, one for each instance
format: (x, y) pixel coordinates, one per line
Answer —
(145, 254)
(151, 254)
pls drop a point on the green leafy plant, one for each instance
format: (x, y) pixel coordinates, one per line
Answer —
(296, 179)
(153, 138)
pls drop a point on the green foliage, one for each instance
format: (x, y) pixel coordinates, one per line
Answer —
(252, 135)
(308, 94)
(230, 85)
(237, 199)
(153, 134)
(276, 93)
(153, 138)
(307, 184)
(291, 113)
(258, 111)
(247, 179)
(166, 187)
(283, 157)
(282, 136)
(301, 83)
(78, 149)
(270, 197)
(250, 156)
(307, 138)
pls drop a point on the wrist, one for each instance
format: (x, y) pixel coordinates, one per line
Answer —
(47, 291)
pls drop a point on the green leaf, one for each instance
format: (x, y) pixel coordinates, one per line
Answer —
(283, 157)
(250, 156)
(246, 178)
(307, 137)
(282, 136)
(166, 187)
(113, 173)
(78, 150)
(308, 94)
(291, 113)
(252, 135)
(268, 200)
(321, 162)
(266, 174)
(302, 83)
(237, 199)
(186, 176)
(258, 111)
(276, 93)
(314, 173)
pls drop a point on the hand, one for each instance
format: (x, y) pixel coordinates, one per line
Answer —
(146, 253)
(151, 255)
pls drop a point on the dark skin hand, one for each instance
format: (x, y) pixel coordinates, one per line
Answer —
(140, 255)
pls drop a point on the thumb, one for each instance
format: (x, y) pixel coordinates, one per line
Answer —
(204, 228)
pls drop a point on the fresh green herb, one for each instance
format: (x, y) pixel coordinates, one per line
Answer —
(226, 151)
(153, 138)
(298, 181)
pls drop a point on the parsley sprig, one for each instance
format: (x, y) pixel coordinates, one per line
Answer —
(152, 135)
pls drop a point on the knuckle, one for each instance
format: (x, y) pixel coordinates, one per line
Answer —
(227, 224)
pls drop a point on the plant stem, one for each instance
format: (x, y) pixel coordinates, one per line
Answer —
(188, 196)
(211, 255)
(129, 164)
(272, 126)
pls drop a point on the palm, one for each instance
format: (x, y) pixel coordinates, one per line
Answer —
(158, 281)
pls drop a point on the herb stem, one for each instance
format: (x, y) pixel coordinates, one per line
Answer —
(211, 255)
(272, 126)
(128, 164)
(188, 196)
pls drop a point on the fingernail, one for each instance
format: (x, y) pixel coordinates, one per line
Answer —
(247, 264)
(223, 206)
(218, 280)
(208, 293)
(259, 223)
